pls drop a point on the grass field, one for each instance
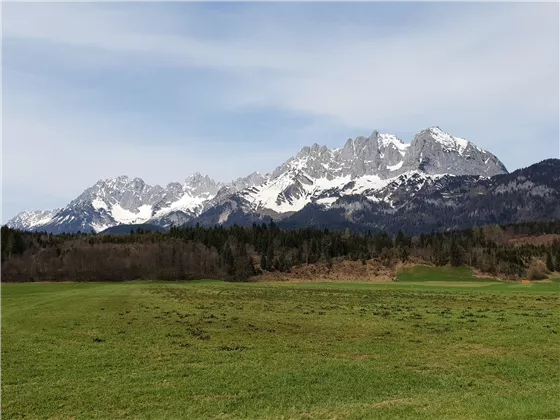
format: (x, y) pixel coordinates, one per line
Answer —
(445, 349)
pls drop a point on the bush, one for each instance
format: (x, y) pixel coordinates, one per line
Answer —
(537, 271)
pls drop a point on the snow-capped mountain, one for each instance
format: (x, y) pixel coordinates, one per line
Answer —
(107, 203)
(419, 205)
(380, 168)
(122, 200)
(375, 167)
(30, 220)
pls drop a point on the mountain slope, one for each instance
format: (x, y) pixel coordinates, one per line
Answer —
(369, 163)
(123, 201)
(380, 168)
(449, 202)
(31, 220)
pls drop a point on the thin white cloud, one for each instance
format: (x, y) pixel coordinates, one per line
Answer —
(489, 75)
(465, 60)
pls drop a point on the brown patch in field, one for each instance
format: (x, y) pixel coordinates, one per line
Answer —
(496, 380)
(479, 350)
(195, 365)
(213, 397)
(222, 416)
(357, 356)
(318, 414)
(482, 275)
(70, 342)
(392, 403)
(346, 271)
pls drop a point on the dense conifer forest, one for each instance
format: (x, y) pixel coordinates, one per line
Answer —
(239, 253)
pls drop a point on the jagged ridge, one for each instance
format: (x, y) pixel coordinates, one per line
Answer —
(381, 168)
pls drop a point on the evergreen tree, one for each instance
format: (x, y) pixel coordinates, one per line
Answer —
(228, 260)
(549, 263)
(16, 244)
(399, 239)
(456, 256)
(270, 257)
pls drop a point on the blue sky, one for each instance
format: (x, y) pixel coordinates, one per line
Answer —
(162, 90)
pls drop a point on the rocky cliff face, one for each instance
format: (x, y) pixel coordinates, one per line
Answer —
(434, 152)
(431, 151)
(365, 165)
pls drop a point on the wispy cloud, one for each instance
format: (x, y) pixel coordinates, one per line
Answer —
(161, 90)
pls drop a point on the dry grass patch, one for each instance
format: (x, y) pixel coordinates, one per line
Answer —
(357, 357)
(340, 272)
(468, 350)
(395, 402)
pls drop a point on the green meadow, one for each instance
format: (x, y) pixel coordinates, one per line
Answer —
(437, 344)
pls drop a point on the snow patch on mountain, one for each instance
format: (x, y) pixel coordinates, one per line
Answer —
(395, 167)
(380, 167)
(99, 204)
(450, 142)
(389, 139)
(28, 220)
(124, 216)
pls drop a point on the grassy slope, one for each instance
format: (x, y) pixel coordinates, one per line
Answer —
(219, 350)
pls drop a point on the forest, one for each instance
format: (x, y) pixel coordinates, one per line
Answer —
(239, 253)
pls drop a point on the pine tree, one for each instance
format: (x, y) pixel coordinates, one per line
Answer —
(455, 254)
(549, 264)
(399, 239)
(19, 244)
(270, 257)
(438, 255)
(228, 260)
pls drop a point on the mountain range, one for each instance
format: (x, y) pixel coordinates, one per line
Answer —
(437, 181)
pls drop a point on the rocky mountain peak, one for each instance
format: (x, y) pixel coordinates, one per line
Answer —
(202, 184)
(447, 141)
(314, 150)
(32, 219)
(254, 179)
(434, 151)
(380, 167)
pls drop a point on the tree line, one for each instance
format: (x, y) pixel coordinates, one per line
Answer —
(238, 253)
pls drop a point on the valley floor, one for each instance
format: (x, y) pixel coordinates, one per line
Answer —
(426, 347)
